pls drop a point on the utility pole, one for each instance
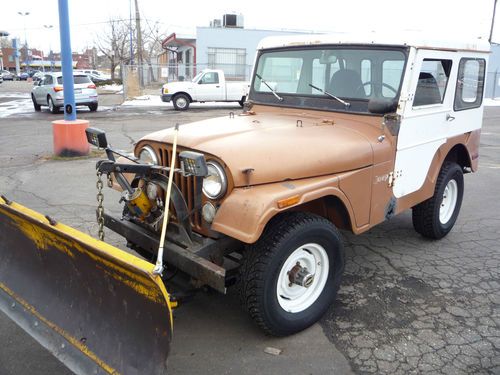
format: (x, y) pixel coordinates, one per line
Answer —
(493, 20)
(131, 37)
(139, 43)
(26, 59)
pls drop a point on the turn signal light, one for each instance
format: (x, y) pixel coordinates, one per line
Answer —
(287, 202)
(58, 88)
(91, 86)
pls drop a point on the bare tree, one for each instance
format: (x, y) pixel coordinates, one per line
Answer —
(152, 45)
(113, 43)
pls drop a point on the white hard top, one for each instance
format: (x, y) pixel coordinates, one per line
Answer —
(418, 40)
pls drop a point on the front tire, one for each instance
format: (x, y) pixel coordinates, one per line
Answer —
(37, 106)
(435, 217)
(181, 102)
(290, 277)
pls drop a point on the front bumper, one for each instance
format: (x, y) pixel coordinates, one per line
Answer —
(166, 98)
(194, 259)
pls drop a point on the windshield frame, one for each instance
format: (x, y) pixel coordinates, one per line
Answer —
(322, 102)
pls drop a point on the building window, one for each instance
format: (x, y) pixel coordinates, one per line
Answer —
(230, 60)
(11, 58)
(470, 83)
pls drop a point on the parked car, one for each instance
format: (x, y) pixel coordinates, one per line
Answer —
(208, 86)
(95, 75)
(8, 76)
(1, 79)
(24, 76)
(31, 73)
(38, 76)
(49, 92)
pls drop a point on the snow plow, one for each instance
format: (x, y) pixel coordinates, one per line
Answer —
(98, 309)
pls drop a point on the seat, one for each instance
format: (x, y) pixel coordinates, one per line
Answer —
(346, 83)
(427, 91)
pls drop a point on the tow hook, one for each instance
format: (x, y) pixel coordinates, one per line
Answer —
(300, 276)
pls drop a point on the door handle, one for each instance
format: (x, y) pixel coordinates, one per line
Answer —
(217, 86)
(449, 117)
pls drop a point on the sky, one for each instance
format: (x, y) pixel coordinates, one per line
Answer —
(442, 18)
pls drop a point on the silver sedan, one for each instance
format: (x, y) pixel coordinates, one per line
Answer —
(49, 92)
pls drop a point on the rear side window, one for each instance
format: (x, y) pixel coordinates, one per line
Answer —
(77, 79)
(432, 82)
(470, 83)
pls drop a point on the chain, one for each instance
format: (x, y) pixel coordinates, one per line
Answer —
(100, 207)
(110, 181)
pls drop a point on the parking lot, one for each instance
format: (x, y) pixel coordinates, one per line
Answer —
(406, 304)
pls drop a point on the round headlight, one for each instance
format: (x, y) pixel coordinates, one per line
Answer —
(147, 155)
(215, 184)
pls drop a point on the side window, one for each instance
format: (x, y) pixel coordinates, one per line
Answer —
(210, 78)
(470, 83)
(432, 82)
(47, 80)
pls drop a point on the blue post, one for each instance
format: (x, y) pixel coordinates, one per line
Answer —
(67, 62)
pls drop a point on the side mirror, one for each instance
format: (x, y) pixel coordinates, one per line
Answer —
(382, 106)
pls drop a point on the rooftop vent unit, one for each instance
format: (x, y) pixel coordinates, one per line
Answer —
(232, 20)
(216, 23)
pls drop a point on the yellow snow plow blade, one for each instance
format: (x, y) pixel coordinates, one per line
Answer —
(98, 309)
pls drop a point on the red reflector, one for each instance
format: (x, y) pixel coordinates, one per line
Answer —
(58, 88)
(91, 86)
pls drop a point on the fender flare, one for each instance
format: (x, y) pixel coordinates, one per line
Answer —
(256, 206)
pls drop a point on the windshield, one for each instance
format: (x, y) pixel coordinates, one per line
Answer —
(197, 77)
(319, 77)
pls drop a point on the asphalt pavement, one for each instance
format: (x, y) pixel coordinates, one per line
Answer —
(406, 305)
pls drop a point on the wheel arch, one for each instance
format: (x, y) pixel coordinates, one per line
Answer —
(254, 215)
(462, 149)
(183, 93)
(459, 154)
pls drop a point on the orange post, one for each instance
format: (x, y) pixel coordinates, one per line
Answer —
(69, 138)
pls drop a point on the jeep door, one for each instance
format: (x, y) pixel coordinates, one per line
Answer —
(428, 116)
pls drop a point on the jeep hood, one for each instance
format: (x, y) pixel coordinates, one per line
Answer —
(277, 147)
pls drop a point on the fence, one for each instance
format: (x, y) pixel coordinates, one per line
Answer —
(148, 78)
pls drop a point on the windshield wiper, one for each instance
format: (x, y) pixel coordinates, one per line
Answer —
(346, 104)
(269, 87)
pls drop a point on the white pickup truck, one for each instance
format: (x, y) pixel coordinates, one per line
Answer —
(208, 86)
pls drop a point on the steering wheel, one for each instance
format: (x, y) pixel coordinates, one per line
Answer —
(373, 83)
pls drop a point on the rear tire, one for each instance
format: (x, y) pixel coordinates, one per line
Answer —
(241, 102)
(37, 106)
(93, 107)
(52, 106)
(435, 217)
(181, 102)
(279, 306)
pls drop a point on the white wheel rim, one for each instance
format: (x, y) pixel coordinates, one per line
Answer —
(181, 102)
(449, 201)
(295, 298)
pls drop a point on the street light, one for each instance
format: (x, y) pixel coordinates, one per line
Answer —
(24, 14)
(48, 28)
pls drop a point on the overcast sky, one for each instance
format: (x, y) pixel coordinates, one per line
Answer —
(471, 18)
